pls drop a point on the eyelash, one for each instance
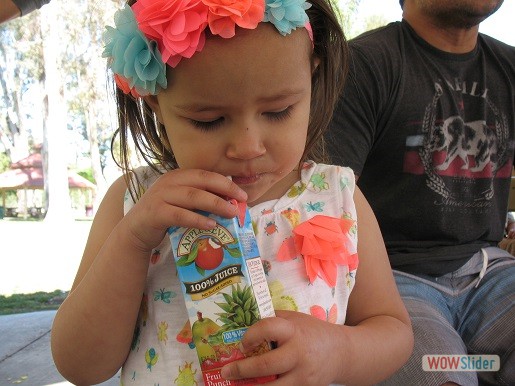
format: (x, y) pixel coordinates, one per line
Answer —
(207, 126)
(212, 125)
(280, 115)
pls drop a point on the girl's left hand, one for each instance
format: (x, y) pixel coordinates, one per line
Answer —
(308, 352)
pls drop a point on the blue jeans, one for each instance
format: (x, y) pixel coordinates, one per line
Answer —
(462, 312)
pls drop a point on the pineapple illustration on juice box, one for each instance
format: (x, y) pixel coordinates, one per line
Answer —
(225, 290)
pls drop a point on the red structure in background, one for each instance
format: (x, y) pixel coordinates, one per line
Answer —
(27, 174)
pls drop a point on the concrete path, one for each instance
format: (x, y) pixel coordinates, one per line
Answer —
(25, 356)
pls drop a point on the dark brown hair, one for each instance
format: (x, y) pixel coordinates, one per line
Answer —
(137, 121)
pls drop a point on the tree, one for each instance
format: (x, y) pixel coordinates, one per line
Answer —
(75, 81)
(21, 67)
(374, 21)
(348, 10)
(20, 70)
(87, 82)
(56, 176)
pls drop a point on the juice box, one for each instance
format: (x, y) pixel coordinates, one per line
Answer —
(225, 290)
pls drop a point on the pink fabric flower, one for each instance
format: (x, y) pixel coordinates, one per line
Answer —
(176, 25)
(225, 15)
(322, 242)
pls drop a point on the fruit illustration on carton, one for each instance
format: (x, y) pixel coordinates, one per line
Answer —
(225, 290)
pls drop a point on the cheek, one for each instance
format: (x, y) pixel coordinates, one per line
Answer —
(301, 130)
(291, 143)
(300, 145)
(190, 150)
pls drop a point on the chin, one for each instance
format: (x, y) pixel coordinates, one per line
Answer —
(256, 197)
(254, 200)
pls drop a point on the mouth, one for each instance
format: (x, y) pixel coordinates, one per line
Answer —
(245, 180)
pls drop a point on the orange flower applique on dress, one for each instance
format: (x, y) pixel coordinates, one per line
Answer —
(321, 241)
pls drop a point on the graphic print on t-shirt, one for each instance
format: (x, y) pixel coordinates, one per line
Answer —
(452, 149)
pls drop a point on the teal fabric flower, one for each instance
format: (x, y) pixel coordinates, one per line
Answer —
(132, 56)
(286, 15)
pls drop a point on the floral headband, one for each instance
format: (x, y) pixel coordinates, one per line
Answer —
(153, 33)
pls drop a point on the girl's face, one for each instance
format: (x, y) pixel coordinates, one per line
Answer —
(240, 107)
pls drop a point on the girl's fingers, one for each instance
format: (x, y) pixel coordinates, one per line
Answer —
(195, 190)
(187, 218)
(186, 197)
(207, 181)
(201, 190)
(270, 363)
(175, 199)
(274, 329)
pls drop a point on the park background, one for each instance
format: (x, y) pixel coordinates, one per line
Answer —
(54, 99)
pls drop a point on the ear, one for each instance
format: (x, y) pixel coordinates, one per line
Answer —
(315, 62)
(153, 103)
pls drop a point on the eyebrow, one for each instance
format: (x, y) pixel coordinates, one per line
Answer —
(280, 96)
(200, 107)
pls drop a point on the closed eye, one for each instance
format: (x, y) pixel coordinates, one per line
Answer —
(279, 115)
(207, 125)
(216, 123)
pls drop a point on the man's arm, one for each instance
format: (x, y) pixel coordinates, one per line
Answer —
(10, 9)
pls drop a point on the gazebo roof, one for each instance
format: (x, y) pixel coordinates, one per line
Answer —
(34, 160)
(28, 174)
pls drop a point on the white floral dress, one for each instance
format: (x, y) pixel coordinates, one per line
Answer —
(161, 353)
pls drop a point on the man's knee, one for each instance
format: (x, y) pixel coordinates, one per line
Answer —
(434, 335)
(487, 328)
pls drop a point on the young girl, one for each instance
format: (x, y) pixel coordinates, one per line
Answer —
(209, 89)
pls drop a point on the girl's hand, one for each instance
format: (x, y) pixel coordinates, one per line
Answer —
(306, 352)
(172, 200)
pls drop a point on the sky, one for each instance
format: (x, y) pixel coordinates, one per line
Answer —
(501, 25)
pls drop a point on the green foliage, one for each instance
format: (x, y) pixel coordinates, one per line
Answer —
(348, 11)
(80, 66)
(374, 21)
(87, 174)
(37, 301)
(11, 199)
(5, 161)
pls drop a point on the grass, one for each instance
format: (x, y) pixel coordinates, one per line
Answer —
(38, 301)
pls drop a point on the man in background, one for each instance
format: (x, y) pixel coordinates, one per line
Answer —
(427, 122)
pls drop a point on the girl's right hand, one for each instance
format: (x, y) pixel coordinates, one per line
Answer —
(172, 201)
(115, 263)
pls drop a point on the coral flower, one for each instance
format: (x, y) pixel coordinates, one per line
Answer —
(225, 15)
(123, 84)
(322, 242)
(176, 25)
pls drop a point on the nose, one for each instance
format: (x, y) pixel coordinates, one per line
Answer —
(246, 144)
